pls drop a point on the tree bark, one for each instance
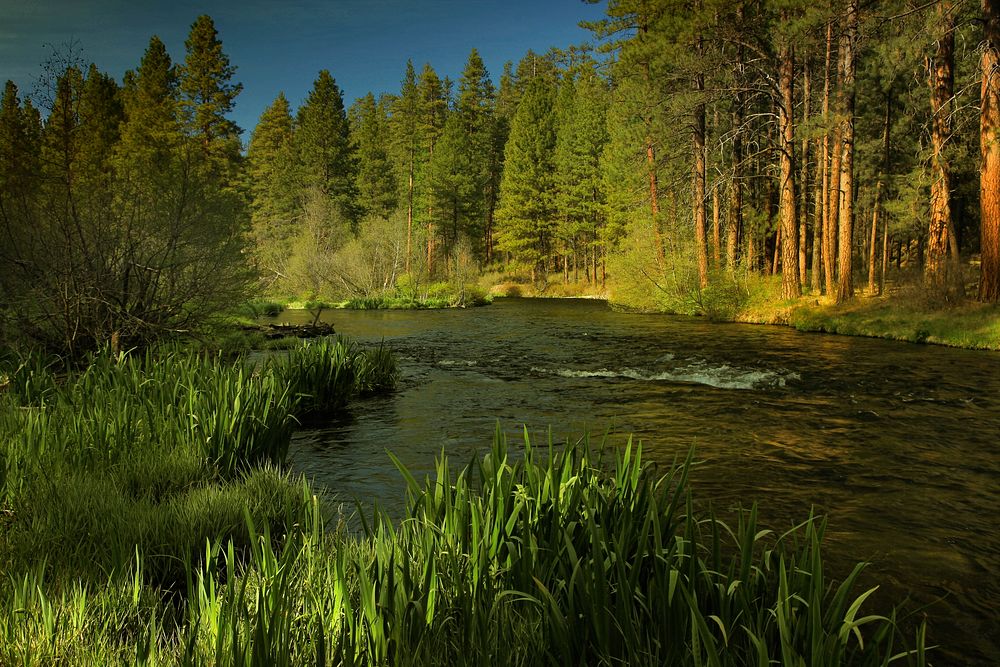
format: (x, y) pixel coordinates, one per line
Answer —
(789, 232)
(409, 214)
(941, 79)
(700, 231)
(804, 183)
(845, 251)
(989, 175)
(735, 222)
(833, 187)
(716, 226)
(873, 242)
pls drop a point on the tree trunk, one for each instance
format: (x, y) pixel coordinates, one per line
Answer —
(941, 79)
(816, 263)
(716, 226)
(700, 231)
(430, 246)
(654, 202)
(832, 214)
(791, 254)
(735, 222)
(776, 255)
(873, 243)
(873, 286)
(409, 215)
(885, 258)
(827, 236)
(845, 251)
(804, 184)
(989, 176)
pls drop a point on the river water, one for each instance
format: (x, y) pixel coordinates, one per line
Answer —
(897, 444)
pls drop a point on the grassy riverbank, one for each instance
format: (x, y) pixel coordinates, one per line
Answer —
(908, 312)
(969, 325)
(146, 519)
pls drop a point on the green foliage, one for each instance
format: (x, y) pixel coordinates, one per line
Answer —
(377, 187)
(556, 555)
(526, 213)
(207, 91)
(322, 140)
(120, 229)
(156, 454)
(273, 187)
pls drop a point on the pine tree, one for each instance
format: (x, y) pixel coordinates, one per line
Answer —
(322, 139)
(152, 108)
(581, 139)
(474, 109)
(273, 187)
(433, 100)
(207, 91)
(376, 185)
(453, 190)
(406, 142)
(526, 212)
(19, 165)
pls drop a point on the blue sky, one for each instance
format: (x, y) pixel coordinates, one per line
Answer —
(282, 45)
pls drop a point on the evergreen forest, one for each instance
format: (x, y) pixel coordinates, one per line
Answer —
(704, 158)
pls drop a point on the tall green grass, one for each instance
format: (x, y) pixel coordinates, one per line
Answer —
(534, 558)
(156, 452)
(143, 521)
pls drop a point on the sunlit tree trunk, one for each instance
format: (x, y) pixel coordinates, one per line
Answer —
(789, 232)
(989, 176)
(804, 183)
(735, 222)
(833, 186)
(700, 223)
(409, 213)
(873, 241)
(874, 287)
(716, 204)
(716, 225)
(941, 78)
(845, 251)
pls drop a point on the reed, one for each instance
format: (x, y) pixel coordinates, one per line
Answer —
(545, 559)
(170, 537)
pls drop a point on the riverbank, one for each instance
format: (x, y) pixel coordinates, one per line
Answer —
(906, 313)
(967, 325)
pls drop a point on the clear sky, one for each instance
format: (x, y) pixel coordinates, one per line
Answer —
(281, 45)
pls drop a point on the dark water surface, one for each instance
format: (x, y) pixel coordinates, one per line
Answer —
(897, 444)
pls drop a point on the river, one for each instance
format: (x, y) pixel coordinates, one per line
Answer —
(896, 443)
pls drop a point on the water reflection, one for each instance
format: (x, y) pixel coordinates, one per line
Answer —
(895, 443)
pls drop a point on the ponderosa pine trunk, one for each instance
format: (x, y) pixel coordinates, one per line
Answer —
(700, 216)
(874, 286)
(830, 226)
(816, 263)
(989, 175)
(716, 226)
(409, 213)
(873, 241)
(804, 183)
(845, 250)
(735, 222)
(941, 79)
(788, 238)
(820, 243)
